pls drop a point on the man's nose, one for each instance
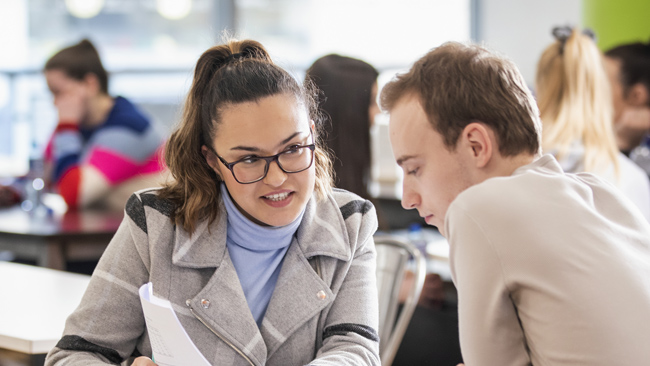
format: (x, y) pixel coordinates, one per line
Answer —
(410, 198)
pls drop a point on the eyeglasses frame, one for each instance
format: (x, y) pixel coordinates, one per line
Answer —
(269, 160)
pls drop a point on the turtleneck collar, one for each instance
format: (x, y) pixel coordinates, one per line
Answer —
(247, 234)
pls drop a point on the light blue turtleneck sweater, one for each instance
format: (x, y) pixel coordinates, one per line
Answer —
(257, 253)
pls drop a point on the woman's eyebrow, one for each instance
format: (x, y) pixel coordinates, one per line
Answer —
(255, 149)
(289, 138)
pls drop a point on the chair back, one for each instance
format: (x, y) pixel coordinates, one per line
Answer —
(393, 256)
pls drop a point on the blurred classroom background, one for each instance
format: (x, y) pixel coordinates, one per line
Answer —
(150, 46)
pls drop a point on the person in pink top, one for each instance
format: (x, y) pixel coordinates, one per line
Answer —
(103, 148)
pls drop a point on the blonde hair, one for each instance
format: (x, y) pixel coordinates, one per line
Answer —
(235, 72)
(575, 102)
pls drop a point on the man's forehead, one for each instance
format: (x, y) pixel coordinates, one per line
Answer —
(407, 115)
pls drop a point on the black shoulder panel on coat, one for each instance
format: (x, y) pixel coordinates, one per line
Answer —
(76, 343)
(135, 210)
(352, 207)
(163, 206)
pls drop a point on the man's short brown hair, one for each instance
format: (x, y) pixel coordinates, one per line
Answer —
(458, 84)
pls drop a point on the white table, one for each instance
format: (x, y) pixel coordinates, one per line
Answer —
(34, 304)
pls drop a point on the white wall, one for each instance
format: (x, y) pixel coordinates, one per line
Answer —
(521, 29)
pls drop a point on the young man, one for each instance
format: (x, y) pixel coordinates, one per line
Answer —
(551, 268)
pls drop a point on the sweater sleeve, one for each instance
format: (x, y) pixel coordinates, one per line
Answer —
(109, 322)
(64, 152)
(489, 328)
(350, 335)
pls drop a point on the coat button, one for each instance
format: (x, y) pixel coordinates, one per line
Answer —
(321, 295)
(188, 302)
(205, 303)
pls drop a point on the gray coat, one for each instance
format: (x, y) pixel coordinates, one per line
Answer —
(323, 310)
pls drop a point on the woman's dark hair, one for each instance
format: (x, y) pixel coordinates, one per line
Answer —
(346, 86)
(79, 60)
(228, 74)
(635, 64)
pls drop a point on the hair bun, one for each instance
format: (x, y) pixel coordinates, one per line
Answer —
(254, 49)
(243, 50)
(562, 33)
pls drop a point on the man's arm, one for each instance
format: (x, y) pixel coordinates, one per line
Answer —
(489, 328)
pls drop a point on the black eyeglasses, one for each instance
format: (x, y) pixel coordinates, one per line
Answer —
(251, 169)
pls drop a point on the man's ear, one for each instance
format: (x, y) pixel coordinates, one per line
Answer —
(638, 95)
(477, 142)
(211, 159)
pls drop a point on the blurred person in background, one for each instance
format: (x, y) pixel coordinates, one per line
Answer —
(349, 103)
(103, 148)
(575, 104)
(628, 68)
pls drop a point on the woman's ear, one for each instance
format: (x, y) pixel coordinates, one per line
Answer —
(477, 141)
(638, 95)
(211, 159)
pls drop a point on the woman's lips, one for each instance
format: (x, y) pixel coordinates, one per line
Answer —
(278, 199)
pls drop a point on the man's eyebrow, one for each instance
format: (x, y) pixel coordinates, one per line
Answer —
(255, 149)
(402, 159)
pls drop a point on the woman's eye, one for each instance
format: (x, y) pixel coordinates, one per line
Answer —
(292, 149)
(250, 160)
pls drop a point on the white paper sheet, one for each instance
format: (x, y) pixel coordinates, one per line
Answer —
(169, 341)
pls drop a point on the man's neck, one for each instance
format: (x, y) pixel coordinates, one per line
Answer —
(500, 166)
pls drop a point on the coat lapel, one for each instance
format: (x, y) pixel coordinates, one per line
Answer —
(300, 294)
(221, 303)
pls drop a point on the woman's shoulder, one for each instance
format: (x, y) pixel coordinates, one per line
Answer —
(350, 203)
(146, 206)
(337, 225)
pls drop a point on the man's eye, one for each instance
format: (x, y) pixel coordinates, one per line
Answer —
(412, 171)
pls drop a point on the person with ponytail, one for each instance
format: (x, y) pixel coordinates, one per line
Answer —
(575, 103)
(262, 260)
(103, 148)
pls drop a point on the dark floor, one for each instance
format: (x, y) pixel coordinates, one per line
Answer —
(431, 339)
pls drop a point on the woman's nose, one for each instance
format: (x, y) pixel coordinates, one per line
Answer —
(275, 176)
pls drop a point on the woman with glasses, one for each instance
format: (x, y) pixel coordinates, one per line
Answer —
(263, 262)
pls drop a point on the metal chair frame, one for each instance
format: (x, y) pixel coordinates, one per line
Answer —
(396, 328)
